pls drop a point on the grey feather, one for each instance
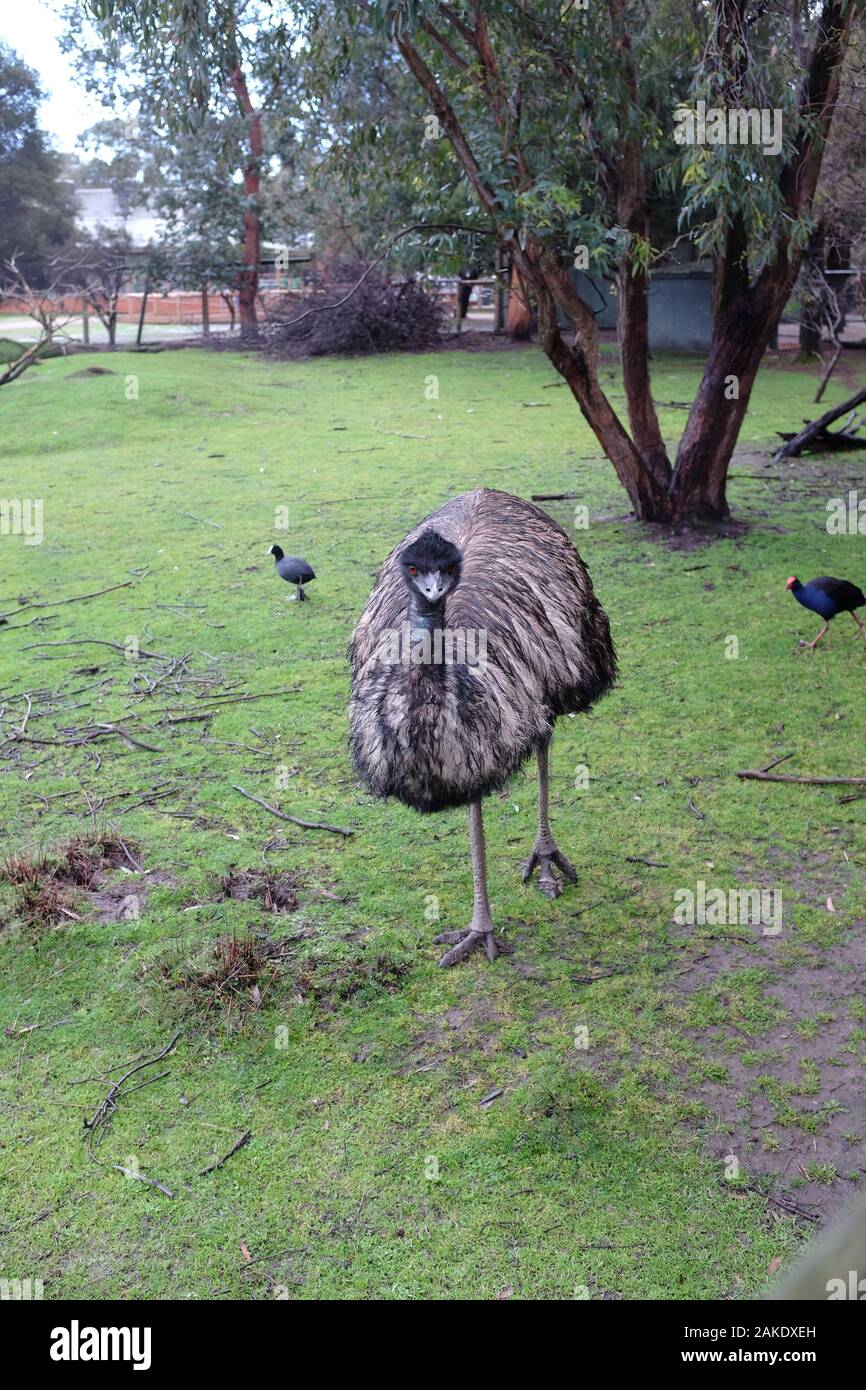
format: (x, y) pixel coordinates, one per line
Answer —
(442, 735)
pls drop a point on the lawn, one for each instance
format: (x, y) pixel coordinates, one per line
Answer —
(415, 1133)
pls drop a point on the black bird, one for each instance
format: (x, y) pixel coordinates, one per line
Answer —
(293, 569)
(827, 597)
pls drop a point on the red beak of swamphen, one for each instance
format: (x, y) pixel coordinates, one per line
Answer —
(791, 582)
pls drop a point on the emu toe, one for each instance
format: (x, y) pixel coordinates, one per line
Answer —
(470, 939)
(546, 860)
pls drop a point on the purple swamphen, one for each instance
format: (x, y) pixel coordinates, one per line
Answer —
(827, 597)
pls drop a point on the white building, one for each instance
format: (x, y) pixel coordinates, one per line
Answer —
(99, 207)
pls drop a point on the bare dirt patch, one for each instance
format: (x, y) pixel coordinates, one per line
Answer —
(84, 862)
(333, 984)
(787, 1099)
(276, 892)
(79, 879)
(789, 1105)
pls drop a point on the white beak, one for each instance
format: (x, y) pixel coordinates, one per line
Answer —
(432, 586)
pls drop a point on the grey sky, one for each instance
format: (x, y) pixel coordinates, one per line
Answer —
(31, 28)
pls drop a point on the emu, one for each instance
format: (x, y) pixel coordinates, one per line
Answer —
(439, 734)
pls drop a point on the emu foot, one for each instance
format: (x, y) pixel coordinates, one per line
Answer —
(546, 856)
(471, 939)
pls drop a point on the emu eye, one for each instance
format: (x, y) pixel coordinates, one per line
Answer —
(452, 569)
(413, 569)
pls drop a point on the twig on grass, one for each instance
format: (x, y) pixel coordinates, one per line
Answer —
(139, 1177)
(295, 820)
(104, 1111)
(775, 763)
(16, 1032)
(13, 627)
(94, 642)
(134, 862)
(79, 737)
(785, 1203)
(243, 699)
(58, 602)
(244, 1140)
(553, 496)
(759, 775)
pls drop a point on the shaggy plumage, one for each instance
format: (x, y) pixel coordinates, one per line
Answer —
(481, 629)
(443, 734)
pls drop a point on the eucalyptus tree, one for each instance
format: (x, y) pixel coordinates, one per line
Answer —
(369, 160)
(212, 78)
(36, 210)
(581, 129)
(569, 121)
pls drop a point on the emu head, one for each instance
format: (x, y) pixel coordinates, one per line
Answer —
(430, 566)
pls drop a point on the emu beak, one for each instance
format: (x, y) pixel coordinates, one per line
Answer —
(434, 588)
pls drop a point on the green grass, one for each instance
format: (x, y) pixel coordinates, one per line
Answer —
(361, 1075)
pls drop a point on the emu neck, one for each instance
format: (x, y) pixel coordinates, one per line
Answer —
(426, 616)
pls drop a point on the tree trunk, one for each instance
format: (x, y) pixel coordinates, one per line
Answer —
(205, 311)
(248, 282)
(810, 335)
(632, 280)
(578, 367)
(739, 342)
(142, 311)
(810, 323)
(519, 322)
(745, 315)
(229, 301)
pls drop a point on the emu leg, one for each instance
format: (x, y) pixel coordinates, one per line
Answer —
(546, 854)
(479, 933)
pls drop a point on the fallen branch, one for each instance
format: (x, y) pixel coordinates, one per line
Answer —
(244, 1139)
(86, 736)
(295, 820)
(243, 699)
(107, 1107)
(758, 775)
(818, 427)
(94, 642)
(139, 1177)
(57, 602)
(553, 496)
